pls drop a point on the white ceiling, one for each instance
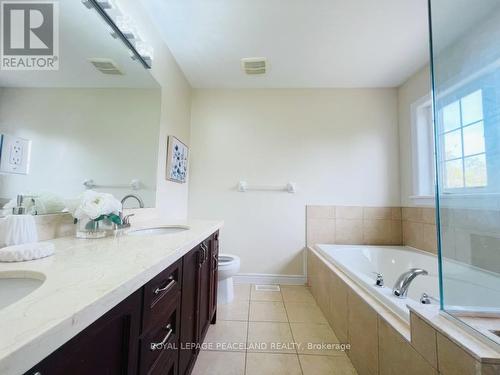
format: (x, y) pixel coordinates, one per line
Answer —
(83, 34)
(308, 43)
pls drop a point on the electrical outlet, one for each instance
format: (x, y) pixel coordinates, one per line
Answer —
(14, 155)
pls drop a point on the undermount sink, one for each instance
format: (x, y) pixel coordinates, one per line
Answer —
(14, 286)
(158, 230)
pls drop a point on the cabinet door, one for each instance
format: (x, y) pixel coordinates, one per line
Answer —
(205, 289)
(107, 347)
(214, 276)
(189, 310)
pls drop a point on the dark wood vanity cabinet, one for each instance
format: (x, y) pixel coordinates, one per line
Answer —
(107, 346)
(157, 330)
(199, 300)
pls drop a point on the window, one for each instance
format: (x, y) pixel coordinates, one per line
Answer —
(422, 137)
(461, 137)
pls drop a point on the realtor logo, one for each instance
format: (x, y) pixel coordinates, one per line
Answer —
(30, 35)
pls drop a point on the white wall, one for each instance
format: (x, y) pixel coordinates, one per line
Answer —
(108, 135)
(171, 197)
(416, 87)
(340, 146)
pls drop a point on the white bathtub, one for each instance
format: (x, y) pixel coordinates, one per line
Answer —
(361, 263)
(467, 289)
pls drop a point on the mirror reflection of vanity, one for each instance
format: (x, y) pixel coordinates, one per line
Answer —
(91, 124)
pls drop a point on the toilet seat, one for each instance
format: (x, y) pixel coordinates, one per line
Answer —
(228, 261)
(227, 267)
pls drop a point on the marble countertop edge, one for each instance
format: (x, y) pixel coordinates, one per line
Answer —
(21, 351)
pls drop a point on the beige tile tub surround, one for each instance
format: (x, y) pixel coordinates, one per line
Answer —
(423, 338)
(352, 225)
(381, 343)
(362, 335)
(419, 228)
(396, 354)
(456, 350)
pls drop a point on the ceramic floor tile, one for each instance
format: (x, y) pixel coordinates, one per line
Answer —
(323, 365)
(242, 292)
(272, 364)
(293, 293)
(313, 338)
(270, 337)
(219, 363)
(227, 336)
(258, 295)
(236, 310)
(267, 312)
(300, 312)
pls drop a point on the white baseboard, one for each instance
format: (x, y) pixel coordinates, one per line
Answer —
(263, 278)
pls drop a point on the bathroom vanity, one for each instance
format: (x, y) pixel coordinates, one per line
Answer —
(120, 305)
(155, 330)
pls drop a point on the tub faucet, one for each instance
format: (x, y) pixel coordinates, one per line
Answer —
(404, 281)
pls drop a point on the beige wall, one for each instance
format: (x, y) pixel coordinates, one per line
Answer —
(340, 146)
(416, 87)
(171, 198)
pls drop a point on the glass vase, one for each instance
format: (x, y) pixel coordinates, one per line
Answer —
(89, 229)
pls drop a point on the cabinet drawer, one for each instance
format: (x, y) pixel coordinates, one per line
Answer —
(162, 341)
(159, 294)
(166, 365)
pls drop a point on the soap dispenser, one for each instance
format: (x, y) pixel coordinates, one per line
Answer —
(19, 209)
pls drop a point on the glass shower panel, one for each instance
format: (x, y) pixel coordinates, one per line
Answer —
(466, 87)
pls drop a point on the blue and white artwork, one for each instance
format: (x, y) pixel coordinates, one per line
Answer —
(177, 160)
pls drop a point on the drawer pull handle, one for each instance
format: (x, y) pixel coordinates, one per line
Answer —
(168, 286)
(165, 339)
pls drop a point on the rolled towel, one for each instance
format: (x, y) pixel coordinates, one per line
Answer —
(29, 251)
(20, 229)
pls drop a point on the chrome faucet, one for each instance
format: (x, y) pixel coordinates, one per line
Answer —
(404, 281)
(133, 196)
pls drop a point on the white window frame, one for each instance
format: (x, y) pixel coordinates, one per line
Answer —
(463, 190)
(423, 152)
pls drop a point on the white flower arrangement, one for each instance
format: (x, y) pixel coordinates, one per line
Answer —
(95, 206)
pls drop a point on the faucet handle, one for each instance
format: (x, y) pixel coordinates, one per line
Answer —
(380, 279)
(425, 299)
(126, 219)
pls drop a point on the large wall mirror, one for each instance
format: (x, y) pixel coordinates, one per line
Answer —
(93, 123)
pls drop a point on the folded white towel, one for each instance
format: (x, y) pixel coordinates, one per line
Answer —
(29, 251)
(20, 229)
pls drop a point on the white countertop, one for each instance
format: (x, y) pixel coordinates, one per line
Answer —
(84, 280)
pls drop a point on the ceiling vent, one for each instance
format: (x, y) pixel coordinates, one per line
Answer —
(106, 66)
(254, 65)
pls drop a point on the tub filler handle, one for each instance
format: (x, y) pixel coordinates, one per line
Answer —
(425, 299)
(379, 280)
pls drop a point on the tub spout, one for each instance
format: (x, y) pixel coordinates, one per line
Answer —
(404, 281)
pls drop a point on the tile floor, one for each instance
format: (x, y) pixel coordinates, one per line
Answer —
(270, 333)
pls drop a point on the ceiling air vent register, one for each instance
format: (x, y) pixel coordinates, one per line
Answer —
(254, 65)
(106, 66)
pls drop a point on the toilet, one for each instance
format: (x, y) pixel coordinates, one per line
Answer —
(228, 266)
